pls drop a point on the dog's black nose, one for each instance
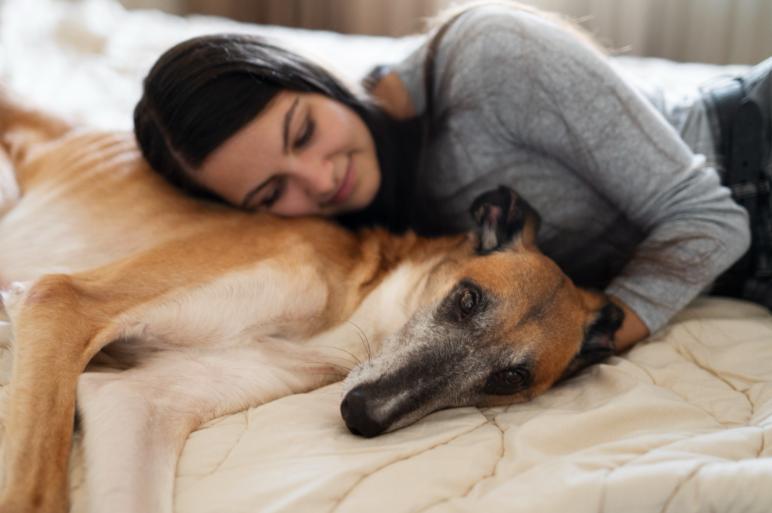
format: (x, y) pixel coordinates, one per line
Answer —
(355, 412)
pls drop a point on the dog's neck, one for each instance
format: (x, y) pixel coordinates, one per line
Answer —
(382, 252)
(361, 263)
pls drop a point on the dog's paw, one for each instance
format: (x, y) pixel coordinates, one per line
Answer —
(10, 299)
(9, 188)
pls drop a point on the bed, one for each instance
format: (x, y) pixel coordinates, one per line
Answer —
(681, 423)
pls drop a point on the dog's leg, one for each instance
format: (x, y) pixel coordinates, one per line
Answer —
(21, 128)
(53, 341)
(135, 422)
(18, 119)
(59, 324)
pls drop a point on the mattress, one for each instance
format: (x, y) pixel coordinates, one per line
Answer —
(681, 423)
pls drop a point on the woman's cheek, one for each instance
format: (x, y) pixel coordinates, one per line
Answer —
(294, 202)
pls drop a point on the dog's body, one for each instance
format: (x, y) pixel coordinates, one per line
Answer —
(180, 311)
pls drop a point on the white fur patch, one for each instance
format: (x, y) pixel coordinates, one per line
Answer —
(234, 309)
(382, 313)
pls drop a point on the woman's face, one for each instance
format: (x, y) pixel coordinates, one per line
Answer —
(303, 154)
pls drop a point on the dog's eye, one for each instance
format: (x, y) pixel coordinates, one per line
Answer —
(467, 300)
(508, 381)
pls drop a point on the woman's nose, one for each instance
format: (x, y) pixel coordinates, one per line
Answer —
(318, 178)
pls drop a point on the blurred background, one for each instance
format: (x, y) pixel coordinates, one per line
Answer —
(716, 31)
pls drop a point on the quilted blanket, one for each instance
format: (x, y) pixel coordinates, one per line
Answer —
(681, 423)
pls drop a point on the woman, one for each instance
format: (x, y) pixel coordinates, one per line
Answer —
(496, 95)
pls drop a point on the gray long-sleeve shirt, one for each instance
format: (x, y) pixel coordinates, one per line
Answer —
(623, 201)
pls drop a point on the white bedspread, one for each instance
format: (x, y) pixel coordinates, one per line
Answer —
(682, 423)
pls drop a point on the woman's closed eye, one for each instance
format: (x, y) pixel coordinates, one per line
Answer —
(275, 188)
(272, 192)
(306, 134)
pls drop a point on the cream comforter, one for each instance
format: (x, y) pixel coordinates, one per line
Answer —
(682, 423)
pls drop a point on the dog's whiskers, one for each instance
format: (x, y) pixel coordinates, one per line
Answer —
(364, 340)
(344, 368)
(356, 360)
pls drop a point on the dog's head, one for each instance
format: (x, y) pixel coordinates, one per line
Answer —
(502, 325)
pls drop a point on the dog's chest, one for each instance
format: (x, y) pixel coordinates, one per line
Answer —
(239, 308)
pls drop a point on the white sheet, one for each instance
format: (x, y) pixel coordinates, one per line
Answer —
(682, 423)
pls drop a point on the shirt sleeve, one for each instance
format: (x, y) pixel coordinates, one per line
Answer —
(559, 96)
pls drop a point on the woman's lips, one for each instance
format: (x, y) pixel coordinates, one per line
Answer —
(346, 186)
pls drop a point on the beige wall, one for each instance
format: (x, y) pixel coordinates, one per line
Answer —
(721, 31)
(384, 17)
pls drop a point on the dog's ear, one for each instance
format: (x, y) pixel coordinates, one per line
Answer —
(598, 343)
(503, 218)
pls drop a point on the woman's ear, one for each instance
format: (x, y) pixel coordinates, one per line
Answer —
(503, 220)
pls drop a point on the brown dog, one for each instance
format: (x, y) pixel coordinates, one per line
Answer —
(179, 311)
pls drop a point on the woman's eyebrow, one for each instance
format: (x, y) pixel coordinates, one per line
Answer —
(287, 121)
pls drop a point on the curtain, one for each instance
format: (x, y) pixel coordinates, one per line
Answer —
(378, 17)
(719, 31)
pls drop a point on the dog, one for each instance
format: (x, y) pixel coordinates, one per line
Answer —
(159, 312)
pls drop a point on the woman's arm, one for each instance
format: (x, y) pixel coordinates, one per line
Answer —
(556, 98)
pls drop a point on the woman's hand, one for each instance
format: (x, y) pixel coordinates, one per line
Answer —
(632, 330)
(393, 96)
